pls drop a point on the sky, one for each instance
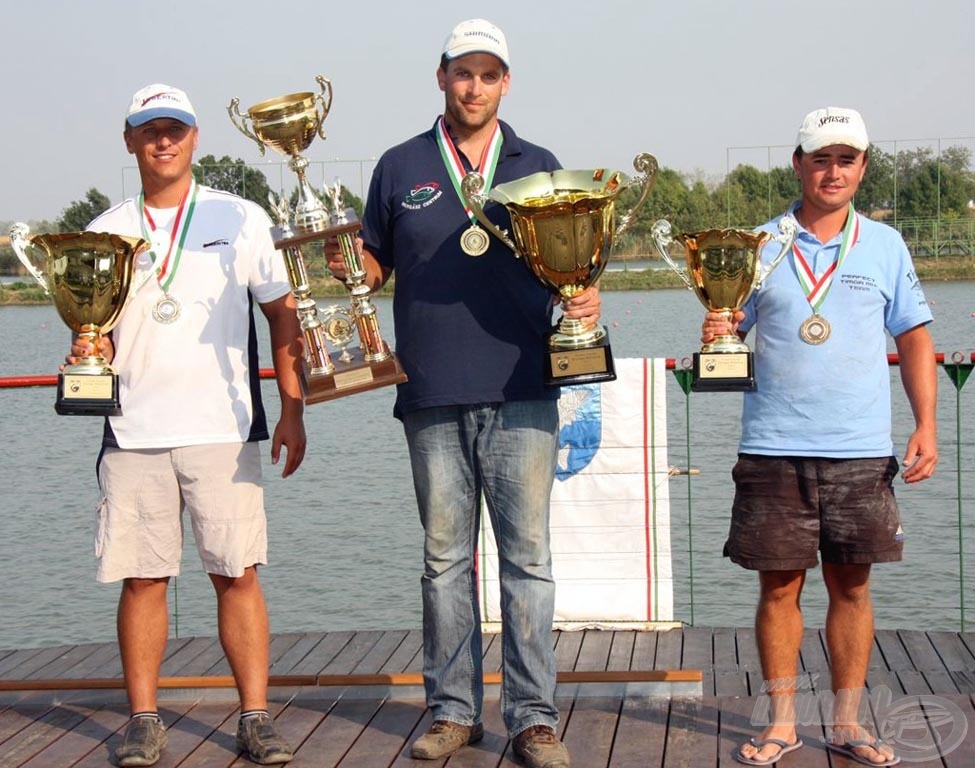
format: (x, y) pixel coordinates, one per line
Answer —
(695, 82)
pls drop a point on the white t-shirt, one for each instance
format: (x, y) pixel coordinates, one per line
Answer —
(195, 380)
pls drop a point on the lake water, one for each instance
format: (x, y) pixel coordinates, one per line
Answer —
(345, 542)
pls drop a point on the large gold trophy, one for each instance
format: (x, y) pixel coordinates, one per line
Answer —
(288, 124)
(724, 268)
(89, 277)
(565, 226)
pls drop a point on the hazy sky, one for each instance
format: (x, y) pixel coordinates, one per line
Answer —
(596, 82)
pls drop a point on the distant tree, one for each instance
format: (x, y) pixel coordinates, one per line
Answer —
(234, 176)
(79, 214)
(876, 192)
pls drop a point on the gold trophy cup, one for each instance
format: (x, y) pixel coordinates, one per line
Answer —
(288, 124)
(724, 268)
(565, 226)
(89, 277)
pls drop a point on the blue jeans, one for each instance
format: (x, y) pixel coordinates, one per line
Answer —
(507, 451)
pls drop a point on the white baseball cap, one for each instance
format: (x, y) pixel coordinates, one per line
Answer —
(832, 125)
(159, 100)
(476, 36)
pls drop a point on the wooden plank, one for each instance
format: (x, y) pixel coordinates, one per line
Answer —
(342, 725)
(589, 732)
(322, 654)
(730, 683)
(644, 650)
(641, 733)
(692, 733)
(567, 649)
(748, 659)
(913, 682)
(181, 661)
(725, 650)
(892, 649)
(921, 651)
(287, 661)
(492, 649)
(698, 653)
(958, 753)
(24, 663)
(385, 736)
(954, 654)
(63, 665)
(379, 654)
(964, 680)
(621, 652)
(39, 734)
(940, 681)
(105, 662)
(669, 643)
(16, 718)
(88, 737)
(408, 657)
(352, 653)
(594, 651)
(102, 755)
(209, 660)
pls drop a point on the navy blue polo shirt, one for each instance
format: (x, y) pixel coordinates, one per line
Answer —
(468, 330)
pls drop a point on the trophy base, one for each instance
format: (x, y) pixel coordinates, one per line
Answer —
(586, 365)
(88, 395)
(350, 378)
(723, 372)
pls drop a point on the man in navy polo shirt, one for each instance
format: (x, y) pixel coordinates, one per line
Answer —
(470, 333)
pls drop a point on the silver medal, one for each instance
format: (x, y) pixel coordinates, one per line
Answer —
(474, 241)
(166, 310)
(814, 329)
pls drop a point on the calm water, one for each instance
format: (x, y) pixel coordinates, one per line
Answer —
(345, 542)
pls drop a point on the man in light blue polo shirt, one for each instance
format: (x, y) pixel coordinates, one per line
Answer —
(816, 461)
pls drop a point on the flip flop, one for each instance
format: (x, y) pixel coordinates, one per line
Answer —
(784, 749)
(848, 748)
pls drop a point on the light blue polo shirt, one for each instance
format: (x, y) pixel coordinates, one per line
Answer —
(832, 399)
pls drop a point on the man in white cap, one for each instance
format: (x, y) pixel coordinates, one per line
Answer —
(816, 460)
(479, 422)
(186, 353)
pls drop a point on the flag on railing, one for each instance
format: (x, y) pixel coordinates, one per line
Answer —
(610, 505)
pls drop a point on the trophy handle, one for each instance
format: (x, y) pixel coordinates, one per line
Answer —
(472, 187)
(662, 238)
(19, 242)
(325, 100)
(786, 236)
(646, 165)
(240, 122)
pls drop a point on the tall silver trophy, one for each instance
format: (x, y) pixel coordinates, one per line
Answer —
(289, 124)
(724, 268)
(565, 227)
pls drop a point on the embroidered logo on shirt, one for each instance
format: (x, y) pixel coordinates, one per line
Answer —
(216, 242)
(422, 195)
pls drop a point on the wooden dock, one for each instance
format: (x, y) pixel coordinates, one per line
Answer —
(922, 686)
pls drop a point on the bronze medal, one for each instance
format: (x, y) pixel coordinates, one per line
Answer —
(815, 329)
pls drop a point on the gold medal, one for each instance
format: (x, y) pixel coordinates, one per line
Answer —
(814, 329)
(474, 241)
(166, 310)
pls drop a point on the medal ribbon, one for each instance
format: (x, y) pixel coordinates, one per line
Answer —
(816, 290)
(166, 271)
(455, 166)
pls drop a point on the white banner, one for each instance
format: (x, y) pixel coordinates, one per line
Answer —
(610, 505)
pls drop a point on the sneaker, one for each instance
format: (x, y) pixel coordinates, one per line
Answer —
(143, 740)
(539, 747)
(256, 737)
(444, 738)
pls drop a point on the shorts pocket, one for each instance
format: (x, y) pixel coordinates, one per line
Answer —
(101, 525)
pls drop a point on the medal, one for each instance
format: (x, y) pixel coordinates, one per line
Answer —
(166, 310)
(474, 241)
(814, 329)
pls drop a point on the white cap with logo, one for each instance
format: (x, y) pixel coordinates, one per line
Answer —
(476, 36)
(832, 125)
(159, 100)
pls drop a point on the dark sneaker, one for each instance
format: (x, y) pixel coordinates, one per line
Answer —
(143, 740)
(444, 738)
(257, 738)
(539, 747)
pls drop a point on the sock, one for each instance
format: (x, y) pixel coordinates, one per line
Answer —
(149, 715)
(253, 713)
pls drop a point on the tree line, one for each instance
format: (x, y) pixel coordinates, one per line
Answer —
(913, 184)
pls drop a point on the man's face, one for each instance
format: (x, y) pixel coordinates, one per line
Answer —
(473, 86)
(830, 176)
(163, 148)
